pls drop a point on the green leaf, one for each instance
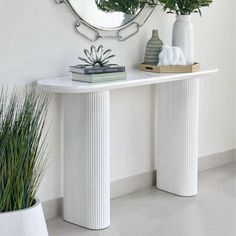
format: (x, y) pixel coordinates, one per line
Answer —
(125, 6)
(184, 7)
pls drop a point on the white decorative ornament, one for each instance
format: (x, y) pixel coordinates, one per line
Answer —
(171, 56)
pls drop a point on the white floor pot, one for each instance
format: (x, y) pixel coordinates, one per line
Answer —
(27, 222)
(183, 37)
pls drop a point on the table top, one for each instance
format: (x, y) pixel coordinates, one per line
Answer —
(134, 78)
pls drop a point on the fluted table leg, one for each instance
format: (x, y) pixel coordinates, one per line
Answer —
(87, 159)
(177, 114)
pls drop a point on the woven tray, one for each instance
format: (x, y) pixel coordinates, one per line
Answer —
(170, 69)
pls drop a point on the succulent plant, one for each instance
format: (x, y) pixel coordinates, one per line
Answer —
(97, 57)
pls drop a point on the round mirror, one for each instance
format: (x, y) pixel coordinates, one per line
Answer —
(97, 13)
(108, 18)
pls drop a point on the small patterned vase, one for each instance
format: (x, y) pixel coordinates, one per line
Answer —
(153, 49)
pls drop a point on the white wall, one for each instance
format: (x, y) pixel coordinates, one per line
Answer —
(37, 41)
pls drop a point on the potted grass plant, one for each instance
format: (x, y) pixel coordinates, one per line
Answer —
(182, 34)
(22, 162)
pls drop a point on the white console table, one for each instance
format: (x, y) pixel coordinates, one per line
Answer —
(87, 140)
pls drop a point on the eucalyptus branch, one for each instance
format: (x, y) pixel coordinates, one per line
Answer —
(179, 7)
(186, 7)
(125, 6)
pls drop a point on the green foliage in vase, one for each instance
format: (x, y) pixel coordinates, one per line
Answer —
(125, 6)
(22, 147)
(184, 7)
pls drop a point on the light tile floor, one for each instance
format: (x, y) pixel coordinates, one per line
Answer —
(155, 213)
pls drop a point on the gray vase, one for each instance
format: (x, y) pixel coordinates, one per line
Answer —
(153, 49)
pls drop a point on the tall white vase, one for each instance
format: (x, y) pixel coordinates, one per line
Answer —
(183, 36)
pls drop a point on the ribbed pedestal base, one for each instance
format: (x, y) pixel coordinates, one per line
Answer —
(87, 159)
(177, 106)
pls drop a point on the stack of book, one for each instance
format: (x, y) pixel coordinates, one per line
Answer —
(95, 74)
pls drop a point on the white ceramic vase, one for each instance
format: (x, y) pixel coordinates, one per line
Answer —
(183, 37)
(27, 222)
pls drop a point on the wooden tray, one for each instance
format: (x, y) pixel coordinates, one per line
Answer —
(170, 69)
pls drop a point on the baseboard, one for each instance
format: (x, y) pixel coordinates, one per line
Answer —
(132, 184)
(52, 208)
(139, 182)
(216, 160)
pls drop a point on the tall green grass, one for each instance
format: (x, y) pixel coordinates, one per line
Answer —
(22, 147)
